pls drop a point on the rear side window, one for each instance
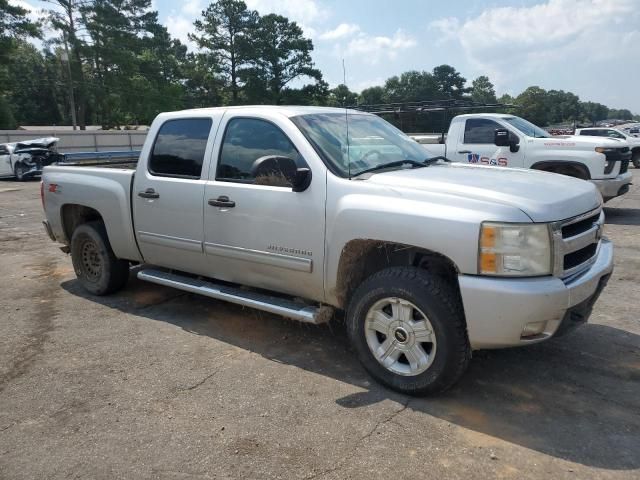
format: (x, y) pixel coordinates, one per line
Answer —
(179, 148)
(479, 130)
(592, 133)
(246, 145)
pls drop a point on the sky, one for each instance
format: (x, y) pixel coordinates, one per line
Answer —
(588, 47)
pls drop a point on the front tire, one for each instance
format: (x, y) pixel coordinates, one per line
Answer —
(636, 159)
(95, 264)
(19, 171)
(408, 329)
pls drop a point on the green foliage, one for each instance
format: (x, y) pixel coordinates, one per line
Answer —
(120, 66)
(341, 96)
(226, 32)
(482, 90)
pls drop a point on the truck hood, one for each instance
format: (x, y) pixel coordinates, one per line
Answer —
(544, 197)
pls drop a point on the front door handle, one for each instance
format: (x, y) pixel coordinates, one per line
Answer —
(222, 201)
(149, 193)
(464, 151)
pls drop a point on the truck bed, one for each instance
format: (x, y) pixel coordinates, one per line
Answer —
(105, 189)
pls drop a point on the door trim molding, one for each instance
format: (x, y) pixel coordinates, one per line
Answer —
(169, 241)
(289, 262)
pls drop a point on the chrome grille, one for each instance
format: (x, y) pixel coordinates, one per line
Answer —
(576, 242)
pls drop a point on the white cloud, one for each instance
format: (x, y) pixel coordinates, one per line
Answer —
(373, 49)
(342, 30)
(179, 27)
(192, 8)
(508, 42)
(306, 13)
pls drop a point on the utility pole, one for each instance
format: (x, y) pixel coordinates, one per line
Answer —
(65, 57)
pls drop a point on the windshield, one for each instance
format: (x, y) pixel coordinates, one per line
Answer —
(372, 141)
(527, 128)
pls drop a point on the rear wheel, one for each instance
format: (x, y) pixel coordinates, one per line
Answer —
(95, 264)
(408, 329)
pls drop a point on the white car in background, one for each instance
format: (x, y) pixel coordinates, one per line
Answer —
(633, 141)
(26, 159)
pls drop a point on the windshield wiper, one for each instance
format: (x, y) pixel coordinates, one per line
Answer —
(397, 163)
(432, 160)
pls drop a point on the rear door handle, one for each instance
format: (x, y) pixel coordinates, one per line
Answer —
(222, 201)
(149, 193)
(464, 151)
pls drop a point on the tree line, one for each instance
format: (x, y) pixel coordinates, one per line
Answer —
(111, 63)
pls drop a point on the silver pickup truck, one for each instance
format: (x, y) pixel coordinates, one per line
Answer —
(302, 211)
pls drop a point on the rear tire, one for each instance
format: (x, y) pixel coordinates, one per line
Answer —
(408, 329)
(95, 264)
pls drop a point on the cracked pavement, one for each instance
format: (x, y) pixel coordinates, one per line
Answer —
(152, 383)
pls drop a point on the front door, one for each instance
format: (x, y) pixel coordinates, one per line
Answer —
(167, 196)
(477, 146)
(258, 231)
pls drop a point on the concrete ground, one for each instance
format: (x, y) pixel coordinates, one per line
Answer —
(154, 383)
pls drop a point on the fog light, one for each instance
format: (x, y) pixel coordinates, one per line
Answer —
(533, 328)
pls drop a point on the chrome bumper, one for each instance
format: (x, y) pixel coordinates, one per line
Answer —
(498, 309)
(613, 187)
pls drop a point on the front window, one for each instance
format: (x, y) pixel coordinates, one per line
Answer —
(371, 141)
(528, 128)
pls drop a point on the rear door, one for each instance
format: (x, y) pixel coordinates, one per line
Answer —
(168, 194)
(476, 145)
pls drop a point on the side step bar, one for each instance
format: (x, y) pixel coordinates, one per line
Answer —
(279, 306)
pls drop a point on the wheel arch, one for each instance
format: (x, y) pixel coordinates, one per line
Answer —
(73, 215)
(557, 166)
(361, 258)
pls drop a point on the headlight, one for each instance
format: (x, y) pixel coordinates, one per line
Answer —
(605, 149)
(514, 249)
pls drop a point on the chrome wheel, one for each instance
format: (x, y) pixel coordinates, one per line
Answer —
(91, 261)
(400, 336)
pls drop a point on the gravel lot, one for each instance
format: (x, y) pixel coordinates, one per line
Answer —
(155, 383)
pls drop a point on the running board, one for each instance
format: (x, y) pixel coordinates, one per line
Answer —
(279, 306)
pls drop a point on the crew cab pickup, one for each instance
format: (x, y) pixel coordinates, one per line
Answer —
(304, 211)
(632, 141)
(471, 139)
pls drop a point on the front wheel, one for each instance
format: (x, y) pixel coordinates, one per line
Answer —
(636, 159)
(20, 171)
(95, 264)
(408, 329)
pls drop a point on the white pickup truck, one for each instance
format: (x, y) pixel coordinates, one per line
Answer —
(632, 141)
(292, 211)
(472, 139)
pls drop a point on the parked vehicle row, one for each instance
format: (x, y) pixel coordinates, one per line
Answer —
(301, 211)
(510, 141)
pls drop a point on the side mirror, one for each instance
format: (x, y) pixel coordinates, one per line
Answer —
(501, 137)
(301, 180)
(280, 171)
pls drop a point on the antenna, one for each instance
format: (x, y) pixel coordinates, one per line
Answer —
(346, 118)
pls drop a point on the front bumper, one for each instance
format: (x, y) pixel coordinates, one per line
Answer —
(613, 187)
(498, 309)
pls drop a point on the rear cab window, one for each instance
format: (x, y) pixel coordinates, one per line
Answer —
(179, 148)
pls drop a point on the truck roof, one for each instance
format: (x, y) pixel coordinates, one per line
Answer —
(287, 110)
(489, 115)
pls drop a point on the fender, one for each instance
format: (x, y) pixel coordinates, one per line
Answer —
(550, 164)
